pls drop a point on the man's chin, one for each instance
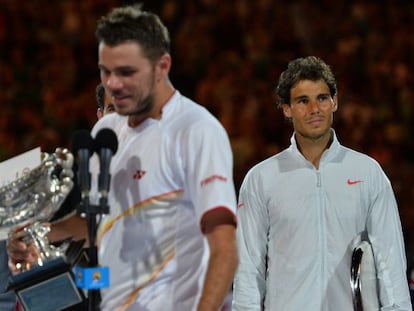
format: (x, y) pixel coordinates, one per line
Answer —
(123, 111)
(136, 111)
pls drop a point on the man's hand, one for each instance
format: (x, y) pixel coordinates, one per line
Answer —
(22, 255)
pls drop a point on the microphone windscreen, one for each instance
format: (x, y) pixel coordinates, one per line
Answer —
(106, 138)
(82, 139)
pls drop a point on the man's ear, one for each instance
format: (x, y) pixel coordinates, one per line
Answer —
(163, 66)
(335, 103)
(99, 113)
(287, 111)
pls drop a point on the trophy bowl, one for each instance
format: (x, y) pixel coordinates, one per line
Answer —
(34, 198)
(37, 195)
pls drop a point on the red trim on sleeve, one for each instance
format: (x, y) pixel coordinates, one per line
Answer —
(222, 207)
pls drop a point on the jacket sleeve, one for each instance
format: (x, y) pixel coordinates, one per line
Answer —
(385, 234)
(249, 287)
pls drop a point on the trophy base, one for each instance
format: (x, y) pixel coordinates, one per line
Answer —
(50, 287)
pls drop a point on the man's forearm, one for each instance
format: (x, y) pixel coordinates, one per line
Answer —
(73, 226)
(221, 269)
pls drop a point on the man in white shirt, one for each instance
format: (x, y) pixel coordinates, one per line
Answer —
(169, 239)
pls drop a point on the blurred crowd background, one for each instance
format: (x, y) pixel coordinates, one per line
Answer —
(227, 55)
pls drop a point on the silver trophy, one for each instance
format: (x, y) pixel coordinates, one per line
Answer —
(34, 198)
(26, 204)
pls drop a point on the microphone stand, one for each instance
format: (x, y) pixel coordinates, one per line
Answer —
(94, 295)
(92, 277)
(92, 211)
(98, 277)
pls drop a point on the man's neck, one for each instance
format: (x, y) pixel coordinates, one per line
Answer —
(312, 149)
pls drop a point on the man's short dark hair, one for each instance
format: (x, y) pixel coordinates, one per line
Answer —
(307, 68)
(130, 23)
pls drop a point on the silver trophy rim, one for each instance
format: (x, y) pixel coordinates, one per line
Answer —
(37, 195)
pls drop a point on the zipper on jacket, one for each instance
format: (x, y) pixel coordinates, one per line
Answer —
(322, 239)
(318, 179)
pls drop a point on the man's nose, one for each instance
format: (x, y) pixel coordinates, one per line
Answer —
(314, 105)
(113, 82)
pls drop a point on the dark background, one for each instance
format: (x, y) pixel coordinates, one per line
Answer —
(227, 55)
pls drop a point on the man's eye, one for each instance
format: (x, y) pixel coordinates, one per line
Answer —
(127, 73)
(324, 98)
(104, 72)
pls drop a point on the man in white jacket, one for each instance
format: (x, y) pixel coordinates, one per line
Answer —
(300, 211)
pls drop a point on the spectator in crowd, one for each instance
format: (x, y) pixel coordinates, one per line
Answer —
(105, 105)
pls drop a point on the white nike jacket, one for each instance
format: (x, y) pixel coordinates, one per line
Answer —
(296, 224)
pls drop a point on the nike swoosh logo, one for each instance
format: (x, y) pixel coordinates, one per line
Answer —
(353, 182)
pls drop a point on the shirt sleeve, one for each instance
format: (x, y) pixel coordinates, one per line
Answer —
(385, 234)
(249, 287)
(208, 163)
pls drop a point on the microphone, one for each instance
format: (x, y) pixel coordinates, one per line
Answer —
(83, 148)
(106, 145)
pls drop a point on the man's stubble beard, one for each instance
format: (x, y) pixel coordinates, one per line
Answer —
(145, 106)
